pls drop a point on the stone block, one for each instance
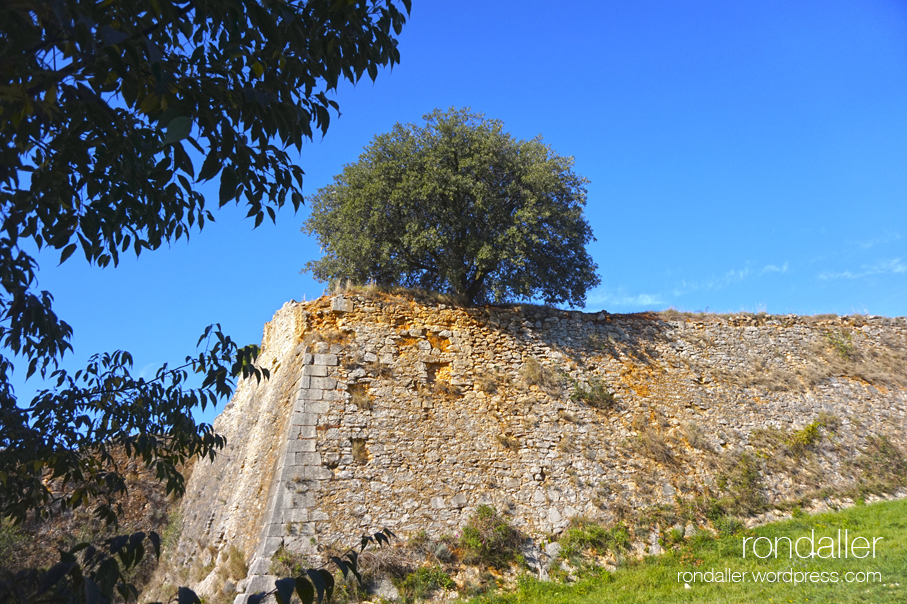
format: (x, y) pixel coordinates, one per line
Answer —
(304, 382)
(307, 458)
(311, 394)
(259, 566)
(296, 445)
(304, 418)
(269, 546)
(318, 406)
(294, 515)
(339, 304)
(326, 359)
(323, 383)
(261, 583)
(315, 370)
(316, 473)
(437, 503)
(459, 501)
(302, 432)
(333, 395)
(307, 358)
(301, 545)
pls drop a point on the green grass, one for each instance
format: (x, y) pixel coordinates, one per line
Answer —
(655, 579)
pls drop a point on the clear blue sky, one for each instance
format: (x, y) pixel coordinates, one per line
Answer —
(742, 156)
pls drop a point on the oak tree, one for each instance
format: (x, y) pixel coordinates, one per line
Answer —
(457, 205)
(111, 114)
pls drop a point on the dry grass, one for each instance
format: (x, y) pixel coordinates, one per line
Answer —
(534, 373)
(359, 396)
(491, 382)
(444, 389)
(328, 335)
(696, 436)
(360, 451)
(672, 314)
(509, 442)
(741, 481)
(376, 369)
(654, 446)
(838, 355)
(882, 465)
(397, 292)
(233, 565)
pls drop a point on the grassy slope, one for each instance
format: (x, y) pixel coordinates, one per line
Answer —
(655, 579)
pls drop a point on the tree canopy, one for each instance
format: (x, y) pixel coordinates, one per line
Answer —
(105, 107)
(458, 206)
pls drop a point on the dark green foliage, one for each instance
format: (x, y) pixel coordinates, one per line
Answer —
(595, 394)
(743, 485)
(84, 573)
(883, 465)
(727, 525)
(102, 103)
(842, 343)
(317, 584)
(458, 206)
(489, 539)
(426, 580)
(70, 434)
(585, 534)
(804, 439)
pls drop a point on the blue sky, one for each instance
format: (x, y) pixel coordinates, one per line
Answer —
(742, 156)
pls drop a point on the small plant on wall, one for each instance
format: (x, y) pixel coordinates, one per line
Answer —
(488, 539)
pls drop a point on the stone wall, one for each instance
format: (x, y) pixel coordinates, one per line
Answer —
(385, 411)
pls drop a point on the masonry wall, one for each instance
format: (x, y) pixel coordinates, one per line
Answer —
(389, 412)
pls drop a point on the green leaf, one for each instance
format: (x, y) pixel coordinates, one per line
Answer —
(210, 167)
(93, 594)
(305, 590)
(284, 591)
(156, 542)
(328, 579)
(54, 574)
(67, 252)
(317, 580)
(186, 596)
(227, 185)
(343, 566)
(178, 129)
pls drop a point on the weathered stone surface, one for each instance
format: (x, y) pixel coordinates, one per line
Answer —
(337, 443)
(325, 359)
(339, 304)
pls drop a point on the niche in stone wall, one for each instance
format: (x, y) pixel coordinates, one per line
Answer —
(360, 451)
(437, 380)
(437, 372)
(359, 396)
(442, 344)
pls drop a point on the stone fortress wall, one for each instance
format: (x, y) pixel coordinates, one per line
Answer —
(384, 411)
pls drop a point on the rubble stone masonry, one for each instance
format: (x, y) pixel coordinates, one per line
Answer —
(385, 411)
